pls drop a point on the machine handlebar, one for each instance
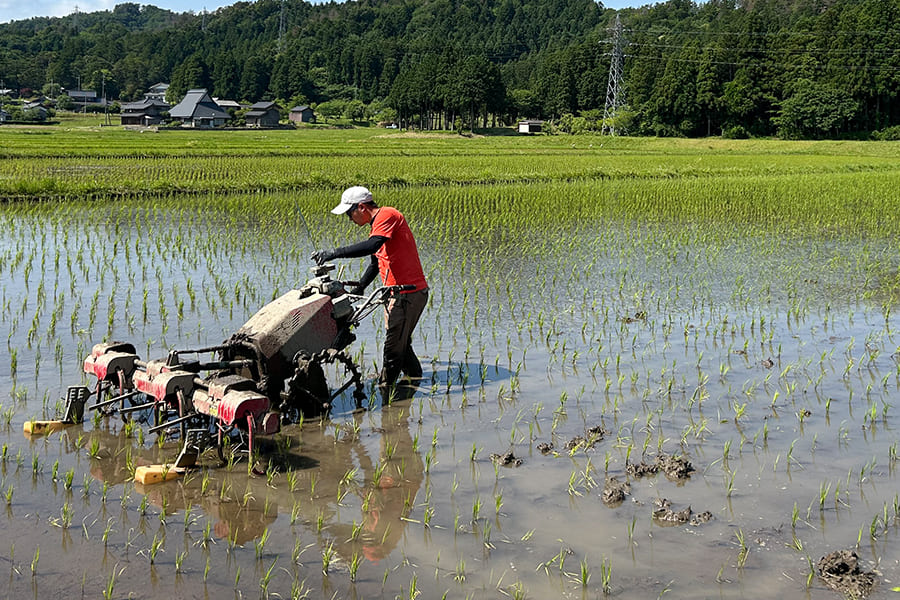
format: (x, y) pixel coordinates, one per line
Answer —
(378, 296)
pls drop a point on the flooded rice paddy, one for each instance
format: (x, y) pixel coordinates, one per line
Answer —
(620, 400)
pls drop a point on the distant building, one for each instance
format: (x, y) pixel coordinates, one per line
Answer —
(4, 116)
(302, 114)
(227, 105)
(145, 112)
(263, 114)
(35, 111)
(84, 97)
(198, 109)
(157, 92)
(530, 126)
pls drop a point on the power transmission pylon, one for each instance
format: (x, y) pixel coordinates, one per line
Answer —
(615, 93)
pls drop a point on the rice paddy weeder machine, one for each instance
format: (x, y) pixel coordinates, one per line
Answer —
(272, 370)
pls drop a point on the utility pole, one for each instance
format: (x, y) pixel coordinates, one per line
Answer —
(281, 29)
(615, 93)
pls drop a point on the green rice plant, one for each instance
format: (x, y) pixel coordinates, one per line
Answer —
(261, 543)
(606, 576)
(355, 561)
(155, 547)
(327, 557)
(109, 588)
(266, 579)
(744, 550)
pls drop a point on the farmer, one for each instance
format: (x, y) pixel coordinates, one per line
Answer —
(395, 256)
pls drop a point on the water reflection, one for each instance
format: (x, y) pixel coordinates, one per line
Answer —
(350, 482)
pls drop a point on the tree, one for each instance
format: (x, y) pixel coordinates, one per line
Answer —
(254, 79)
(814, 110)
(191, 74)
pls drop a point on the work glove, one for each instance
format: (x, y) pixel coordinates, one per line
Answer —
(357, 290)
(322, 256)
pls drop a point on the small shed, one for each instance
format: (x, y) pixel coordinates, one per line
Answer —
(530, 126)
(263, 114)
(302, 114)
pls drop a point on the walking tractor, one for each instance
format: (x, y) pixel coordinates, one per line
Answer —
(271, 371)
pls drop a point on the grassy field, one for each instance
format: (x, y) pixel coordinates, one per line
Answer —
(631, 302)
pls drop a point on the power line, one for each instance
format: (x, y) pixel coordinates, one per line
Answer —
(758, 64)
(779, 51)
(818, 33)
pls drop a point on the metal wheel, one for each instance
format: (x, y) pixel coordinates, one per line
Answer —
(308, 392)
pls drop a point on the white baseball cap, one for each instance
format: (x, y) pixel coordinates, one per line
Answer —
(351, 197)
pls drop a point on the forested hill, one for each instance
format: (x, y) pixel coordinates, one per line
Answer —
(802, 68)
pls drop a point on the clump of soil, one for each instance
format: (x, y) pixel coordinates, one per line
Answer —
(597, 433)
(641, 470)
(701, 518)
(577, 442)
(506, 460)
(614, 492)
(665, 514)
(545, 447)
(840, 571)
(675, 467)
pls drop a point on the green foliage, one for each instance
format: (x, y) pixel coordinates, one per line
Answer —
(737, 132)
(814, 110)
(692, 69)
(890, 134)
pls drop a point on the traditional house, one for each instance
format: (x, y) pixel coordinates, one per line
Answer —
(35, 111)
(145, 112)
(263, 114)
(530, 126)
(302, 114)
(157, 92)
(198, 109)
(4, 116)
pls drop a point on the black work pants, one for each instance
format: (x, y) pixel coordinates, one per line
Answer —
(401, 314)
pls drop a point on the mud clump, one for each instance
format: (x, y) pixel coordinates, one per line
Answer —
(597, 433)
(675, 467)
(641, 470)
(506, 460)
(665, 514)
(577, 442)
(840, 571)
(594, 435)
(701, 518)
(545, 447)
(614, 492)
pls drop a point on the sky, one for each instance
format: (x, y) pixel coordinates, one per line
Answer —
(15, 10)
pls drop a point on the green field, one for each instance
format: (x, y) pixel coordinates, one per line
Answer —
(731, 303)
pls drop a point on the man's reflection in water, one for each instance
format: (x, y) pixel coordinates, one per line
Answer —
(389, 493)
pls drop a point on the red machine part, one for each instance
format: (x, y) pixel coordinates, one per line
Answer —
(163, 384)
(112, 362)
(230, 398)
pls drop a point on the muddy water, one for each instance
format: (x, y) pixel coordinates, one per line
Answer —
(769, 372)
